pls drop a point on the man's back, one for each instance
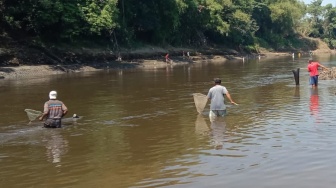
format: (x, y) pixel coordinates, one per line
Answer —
(216, 94)
(54, 108)
(313, 68)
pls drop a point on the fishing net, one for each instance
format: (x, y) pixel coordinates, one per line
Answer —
(200, 101)
(33, 114)
(328, 74)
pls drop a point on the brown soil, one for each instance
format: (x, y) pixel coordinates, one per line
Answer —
(322, 47)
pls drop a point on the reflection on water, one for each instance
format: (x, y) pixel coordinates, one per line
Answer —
(215, 131)
(56, 146)
(297, 92)
(51, 139)
(201, 126)
(314, 102)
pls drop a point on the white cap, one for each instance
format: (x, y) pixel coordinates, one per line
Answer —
(53, 95)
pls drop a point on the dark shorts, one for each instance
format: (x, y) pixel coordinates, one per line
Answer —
(53, 123)
(313, 80)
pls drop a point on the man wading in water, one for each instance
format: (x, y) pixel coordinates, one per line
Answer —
(54, 110)
(313, 72)
(216, 96)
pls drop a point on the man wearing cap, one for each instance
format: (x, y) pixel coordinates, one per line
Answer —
(216, 96)
(54, 110)
(313, 72)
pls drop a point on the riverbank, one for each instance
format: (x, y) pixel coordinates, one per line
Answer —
(25, 59)
(29, 71)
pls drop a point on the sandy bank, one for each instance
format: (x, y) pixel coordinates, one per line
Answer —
(29, 71)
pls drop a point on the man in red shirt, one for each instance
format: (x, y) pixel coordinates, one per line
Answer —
(313, 72)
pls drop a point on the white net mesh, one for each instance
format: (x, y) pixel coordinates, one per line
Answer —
(33, 114)
(200, 101)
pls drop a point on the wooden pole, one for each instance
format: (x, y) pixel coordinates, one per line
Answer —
(297, 76)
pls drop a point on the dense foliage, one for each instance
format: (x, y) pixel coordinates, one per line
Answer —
(171, 22)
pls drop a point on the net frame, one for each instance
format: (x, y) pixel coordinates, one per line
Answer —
(33, 114)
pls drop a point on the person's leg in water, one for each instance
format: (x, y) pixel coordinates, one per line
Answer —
(316, 80)
(213, 114)
(52, 123)
(313, 81)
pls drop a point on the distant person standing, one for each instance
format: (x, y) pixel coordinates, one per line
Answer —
(188, 54)
(167, 58)
(310, 52)
(216, 96)
(313, 72)
(54, 110)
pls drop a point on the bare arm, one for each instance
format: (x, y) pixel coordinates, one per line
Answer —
(43, 116)
(322, 66)
(229, 97)
(45, 111)
(65, 110)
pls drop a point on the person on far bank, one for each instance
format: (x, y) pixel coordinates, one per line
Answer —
(167, 58)
(313, 72)
(216, 96)
(54, 110)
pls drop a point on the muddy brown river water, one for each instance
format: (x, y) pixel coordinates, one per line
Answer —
(140, 128)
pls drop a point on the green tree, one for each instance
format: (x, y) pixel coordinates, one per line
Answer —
(315, 12)
(100, 15)
(286, 15)
(46, 18)
(330, 25)
(262, 15)
(242, 25)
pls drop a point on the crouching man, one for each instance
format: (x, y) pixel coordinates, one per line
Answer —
(54, 110)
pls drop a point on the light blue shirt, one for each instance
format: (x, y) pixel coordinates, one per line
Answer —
(216, 94)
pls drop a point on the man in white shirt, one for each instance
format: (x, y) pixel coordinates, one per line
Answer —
(216, 96)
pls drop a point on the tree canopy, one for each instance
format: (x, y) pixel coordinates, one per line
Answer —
(171, 22)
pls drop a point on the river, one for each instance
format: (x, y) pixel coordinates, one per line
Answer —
(140, 128)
